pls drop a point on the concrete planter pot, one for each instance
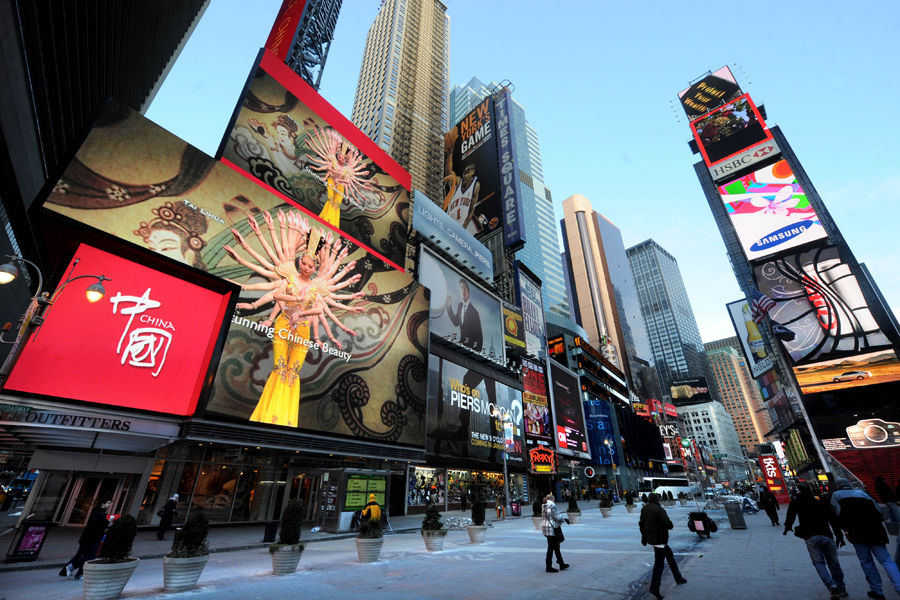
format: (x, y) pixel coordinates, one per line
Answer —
(181, 574)
(536, 521)
(606, 512)
(476, 533)
(368, 549)
(285, 558)
(434, 540)
(574, 517)
(104, 580)
(630, 508)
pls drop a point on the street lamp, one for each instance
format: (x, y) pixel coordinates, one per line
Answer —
(612, 465)
(503, 415)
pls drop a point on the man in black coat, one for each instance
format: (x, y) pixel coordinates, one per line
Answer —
(655, 525)
(467, 319)
(817, 521)
(89, 541)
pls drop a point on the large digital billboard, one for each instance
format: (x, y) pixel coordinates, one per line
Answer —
(461, 310)
(849, 372)
(571, 432)
(533, 310)
(513, 327)
(820, 309)
(538, 418)
(470, 414)
(729, 129)
(146, 344)
(770, 211)
(752, 343)
(289, 138)
(510, 192)
(601, 435)
(711, 91)
(690, 391)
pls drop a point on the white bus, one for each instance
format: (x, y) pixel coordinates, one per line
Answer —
(661, 485)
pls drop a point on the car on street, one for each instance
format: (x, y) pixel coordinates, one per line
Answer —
(852, 375)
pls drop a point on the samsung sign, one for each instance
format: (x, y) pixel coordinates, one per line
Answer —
(744, 159)
(781, 236)
(433, 223)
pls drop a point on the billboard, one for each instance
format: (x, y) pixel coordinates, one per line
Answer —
(571, 432)
(774, 477)
(819, 306)
(690, 391)
(460, 310)
(147, 344)
(436, 225)
(711, 91)
(289, 138)
(510, 192)
(849, 372)
(722, 171)
(285, 28)
(601, 435)
(324, 340)
(758, 359)
(472, 193)
(770, 211)
(729, 129)
(532, 304)
(467, 417)
(513, 327)
(538, 420)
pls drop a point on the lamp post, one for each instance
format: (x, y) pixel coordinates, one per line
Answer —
(612, 465)
(39, 304)
(503, 415)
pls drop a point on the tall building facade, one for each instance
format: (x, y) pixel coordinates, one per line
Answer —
(740, 395)
(542, 242)
(674, 336)
(401, 95)
(710, 425)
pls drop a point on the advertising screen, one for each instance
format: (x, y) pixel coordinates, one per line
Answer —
(571, 432)
(538, 420)
(752, 343)
(709, 92)
(433, 223)
(289, 138)
(285, 27)
(729, 129)
(693, 391)
(467, 418)
(146, 344)
(601, 435)
(513, 327)
(510, 192)
(770, 211)
(461, 310)
(849, 372)
(472, 194)
(820, 311)
(533, 310)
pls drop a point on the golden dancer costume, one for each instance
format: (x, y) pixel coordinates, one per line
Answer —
(302, 301)
(344, 169)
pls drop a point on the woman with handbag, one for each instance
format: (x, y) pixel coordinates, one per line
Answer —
(167, 515)
(551, 527)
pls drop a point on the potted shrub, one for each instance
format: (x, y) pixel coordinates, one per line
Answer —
(536, 514)
(433, 531)
(190, 553)
(573, 512)
(369, 540)
(477, 529)
(670, 500)
(629, 501)
(605, 504)
(105, 577)
(682, 498)
(287, 550)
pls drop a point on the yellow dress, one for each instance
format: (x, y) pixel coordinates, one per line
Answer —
(331, 212)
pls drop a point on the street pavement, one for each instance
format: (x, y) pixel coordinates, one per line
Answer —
(606, 557)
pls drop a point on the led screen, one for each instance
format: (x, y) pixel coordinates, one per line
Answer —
(849, 372)
(146, 344)
(533, 312)
(513, 327)
(690, 391)
(709, 92)
(752, 343)
(770, 211)
(601, 435)
(538, 420)
(571, 432)
(729, 129)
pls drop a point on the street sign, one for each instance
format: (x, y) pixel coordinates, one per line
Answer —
(720, 456)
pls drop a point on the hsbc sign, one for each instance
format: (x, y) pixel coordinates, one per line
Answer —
(748, 157)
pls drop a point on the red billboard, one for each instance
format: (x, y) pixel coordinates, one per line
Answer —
(774, 478)
(729, 130)
(285, 28)
(146, 344)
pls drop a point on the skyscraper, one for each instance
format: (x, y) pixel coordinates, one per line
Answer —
(542, 244)
(671, 326)
(401, 95)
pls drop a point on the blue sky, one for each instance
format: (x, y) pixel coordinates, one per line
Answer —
(598, 81)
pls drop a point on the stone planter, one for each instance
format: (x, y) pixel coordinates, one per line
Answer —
(574, 517)
(285, 558)
(606, 512)
(434, 540)
(368, 549)
(181, 574)
(476, 533)
(105, 581)
(536, 521)
(630, 508)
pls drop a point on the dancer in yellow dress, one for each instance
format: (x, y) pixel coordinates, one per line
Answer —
(344, 169)
(303, 298)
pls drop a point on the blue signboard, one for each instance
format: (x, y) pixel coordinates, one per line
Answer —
(600, 430)
(510, 194)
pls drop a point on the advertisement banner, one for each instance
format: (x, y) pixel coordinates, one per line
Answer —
(287, 136)
(543, 460)
(726, 169)
(709, 92)
(533, 311)
(467, 418)
(433, 223)
(758, 359)
(472, 185)
(538, 420)
(510, 194)
(849, 372)
(770, 211)
(571, 431)
(690, 391)
(285, 28)
(670, 409)
(513, 327)
(820, 310)
(729, 130)
(461, 310)
(774, 478)
(601, 435)
(146, 344)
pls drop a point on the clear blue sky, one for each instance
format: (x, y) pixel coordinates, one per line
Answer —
(598, 81)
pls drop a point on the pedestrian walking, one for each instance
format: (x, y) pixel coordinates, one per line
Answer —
(818, 527)
(858, 514)
(372, 511)
(89, 541)
(166, 515)
(551, 527)
(655, 525)
(769, 503)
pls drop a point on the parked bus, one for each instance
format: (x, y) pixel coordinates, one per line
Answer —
(661, 485)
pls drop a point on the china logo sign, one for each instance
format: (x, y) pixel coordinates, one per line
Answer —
(146, 345)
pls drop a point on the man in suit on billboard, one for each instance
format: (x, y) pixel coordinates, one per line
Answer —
(466, 318)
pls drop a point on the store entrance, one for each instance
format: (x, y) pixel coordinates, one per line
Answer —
(304, 487)
(86, 490)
